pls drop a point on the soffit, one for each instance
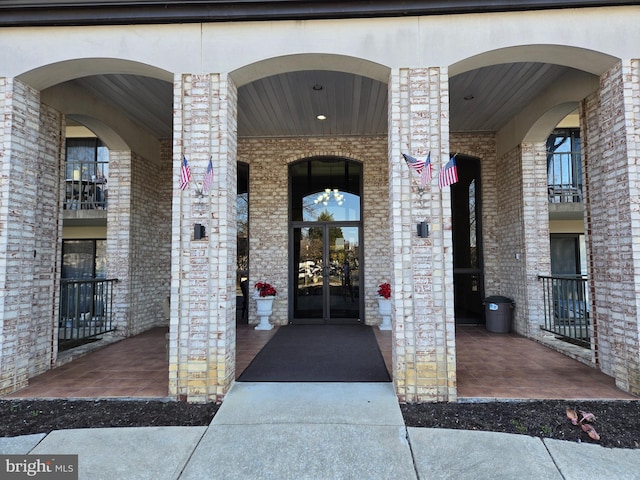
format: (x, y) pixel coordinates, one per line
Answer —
(286, 105)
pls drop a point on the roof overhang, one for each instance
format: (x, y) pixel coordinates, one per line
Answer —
(118, 12)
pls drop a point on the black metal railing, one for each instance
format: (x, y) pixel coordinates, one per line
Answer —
(86, 185)
(86, 310)
(564, 178)
(566, 308)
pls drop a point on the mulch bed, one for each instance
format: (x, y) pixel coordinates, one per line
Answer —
(617, 422)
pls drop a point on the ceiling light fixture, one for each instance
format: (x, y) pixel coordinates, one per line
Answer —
(317, 87)
(321, 117)
(469, 97)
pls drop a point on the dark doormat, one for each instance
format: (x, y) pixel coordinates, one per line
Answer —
(319, 353)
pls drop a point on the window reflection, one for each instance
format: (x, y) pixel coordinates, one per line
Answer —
(242, 204)
(320, 205)
(242, 240)
(83, 259)
(325, 188)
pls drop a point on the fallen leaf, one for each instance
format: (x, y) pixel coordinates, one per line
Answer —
(586, 416)
(572, 416)
(593, 435)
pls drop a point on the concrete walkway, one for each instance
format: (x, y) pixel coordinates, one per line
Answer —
(321, 431)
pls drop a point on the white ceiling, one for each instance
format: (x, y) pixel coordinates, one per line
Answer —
(287, 104)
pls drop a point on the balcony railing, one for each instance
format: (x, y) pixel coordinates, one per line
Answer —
(566, 308)
(86, 310)
(565, 193)
(564, 178)
(86, 185)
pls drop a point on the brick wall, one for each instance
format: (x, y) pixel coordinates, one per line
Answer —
(610, 131)
(150, 240)
(30, 215)
(510, 207)
(138, 237)
(269, 217)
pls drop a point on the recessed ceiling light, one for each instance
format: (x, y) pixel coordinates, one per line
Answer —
(317, 87)
(469, 97)
(321, 117)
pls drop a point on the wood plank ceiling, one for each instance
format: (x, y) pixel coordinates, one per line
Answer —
(287, 105)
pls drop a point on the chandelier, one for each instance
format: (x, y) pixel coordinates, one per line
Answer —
(325, 196)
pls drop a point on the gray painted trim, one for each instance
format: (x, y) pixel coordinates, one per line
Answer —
(116, 12)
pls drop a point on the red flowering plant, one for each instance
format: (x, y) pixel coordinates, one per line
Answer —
(265, 289)
(384, 290)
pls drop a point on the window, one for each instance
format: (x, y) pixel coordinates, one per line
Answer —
(564, 165)
(325, 189)
(242, 203)
(86, 171)
(83, 259)
(87, 158)
(242, 239)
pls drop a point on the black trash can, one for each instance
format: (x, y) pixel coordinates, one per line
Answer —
(498, 313)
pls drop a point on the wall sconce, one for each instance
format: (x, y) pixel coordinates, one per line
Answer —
(198, 231)
(423, 229)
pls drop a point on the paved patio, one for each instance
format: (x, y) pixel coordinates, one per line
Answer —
(490, 365)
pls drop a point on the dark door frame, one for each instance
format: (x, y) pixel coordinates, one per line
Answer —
(327, 318)
(468, 279)
(345, 180)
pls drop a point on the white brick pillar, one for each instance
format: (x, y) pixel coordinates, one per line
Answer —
(611, 155)
(30, 194)
(422, 287)
(119, 241)
(536, 254)
(202, 326)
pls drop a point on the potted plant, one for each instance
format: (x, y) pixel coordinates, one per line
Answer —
(264, 295)
(384, 305)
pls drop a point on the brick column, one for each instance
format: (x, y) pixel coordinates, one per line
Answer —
(202, 325)
(612, 207)
(535, 257)
(119, 233)
(30, 215)
(423, 322)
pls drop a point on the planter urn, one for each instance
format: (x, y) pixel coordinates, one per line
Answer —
(384, 307)
(264, 309)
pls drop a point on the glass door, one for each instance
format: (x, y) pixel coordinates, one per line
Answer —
(327, 289)
(325, 253)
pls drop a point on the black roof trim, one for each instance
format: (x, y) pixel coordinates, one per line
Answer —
(118, 12)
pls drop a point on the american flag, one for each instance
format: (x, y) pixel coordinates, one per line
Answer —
(185, 174)
(414, 163)
(425, 177)
(208, 177)
(421, 167)
(449, 174)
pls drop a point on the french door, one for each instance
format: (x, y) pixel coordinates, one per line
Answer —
(327, 273)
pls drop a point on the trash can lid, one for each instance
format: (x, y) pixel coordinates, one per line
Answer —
(498, 299)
